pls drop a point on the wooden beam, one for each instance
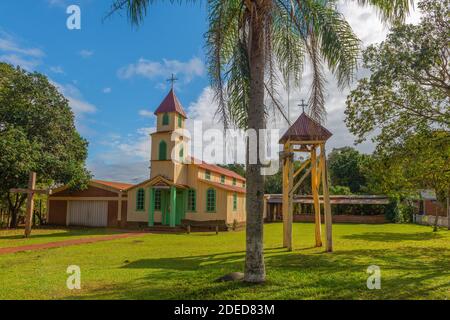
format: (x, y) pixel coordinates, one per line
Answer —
(22, 190)
(303, 166)
(315, 193)
(300, 181)
(30, 203)
(326, 199)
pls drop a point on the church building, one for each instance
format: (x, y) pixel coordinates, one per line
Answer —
(180, 191)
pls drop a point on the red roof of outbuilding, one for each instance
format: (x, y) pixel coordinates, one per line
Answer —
(171, 104)
(113, 184)
(306, 129)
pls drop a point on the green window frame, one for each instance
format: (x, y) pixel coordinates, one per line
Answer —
(210, 200)
(243, 184)
(207, 175)
(165, 119)
(235, 201)
(192, 200)
(157, 200)
(234, 181)
(181, 153)
(140, 200)
(180, 121)
(222, 179)
(162, 150)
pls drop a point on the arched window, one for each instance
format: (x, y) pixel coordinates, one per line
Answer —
(235, 201)
(165, 119)
(180, 121)
(211, 200)
(140, 200)
(162, 150)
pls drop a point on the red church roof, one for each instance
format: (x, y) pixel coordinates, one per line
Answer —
(306, 129)
(171, 104)
(217, 169)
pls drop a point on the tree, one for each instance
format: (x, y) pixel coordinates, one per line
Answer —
(409, 86)
(345, 169)
(406, 100)
(37, 133)
(248, 42)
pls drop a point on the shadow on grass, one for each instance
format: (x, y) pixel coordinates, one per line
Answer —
(69, 232)
(407, 273)
(393, 236)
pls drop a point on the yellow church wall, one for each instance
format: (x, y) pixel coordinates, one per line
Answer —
(134, 215)
(239, 213)
(201, 214)
(173, 122)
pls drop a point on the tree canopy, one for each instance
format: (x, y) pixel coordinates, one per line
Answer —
(409, 86)
(404, 105)
(37, 133)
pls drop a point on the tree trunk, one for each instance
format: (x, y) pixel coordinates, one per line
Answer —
(254, 259)
(15, 208)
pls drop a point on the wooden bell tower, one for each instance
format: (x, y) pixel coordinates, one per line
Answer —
(306, 136)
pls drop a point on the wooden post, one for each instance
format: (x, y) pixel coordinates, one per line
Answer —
(119, 210)
(30, 203)
(315, 194)
(326, 201)
(285, 207)
(290, 198)
(217, 229)
(188, 229)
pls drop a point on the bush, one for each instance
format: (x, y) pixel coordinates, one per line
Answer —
(400, 211)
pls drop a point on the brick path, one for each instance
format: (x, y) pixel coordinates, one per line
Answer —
(66, 243)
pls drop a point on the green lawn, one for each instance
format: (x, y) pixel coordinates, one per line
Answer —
(14, 238)
(414, 262)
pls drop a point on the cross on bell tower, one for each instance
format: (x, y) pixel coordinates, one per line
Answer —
(172, 80)
(303, 105)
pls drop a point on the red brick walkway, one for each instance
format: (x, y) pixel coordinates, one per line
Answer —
(67, 243)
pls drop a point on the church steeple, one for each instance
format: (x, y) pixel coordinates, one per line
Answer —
(171, 104)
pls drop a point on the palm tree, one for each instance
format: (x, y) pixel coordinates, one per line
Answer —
(254, 45)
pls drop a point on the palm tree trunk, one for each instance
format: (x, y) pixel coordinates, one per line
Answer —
(254, 259)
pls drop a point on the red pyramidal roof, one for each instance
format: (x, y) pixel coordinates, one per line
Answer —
(306, 129)
(171, 104)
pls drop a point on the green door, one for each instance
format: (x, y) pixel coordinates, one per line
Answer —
(180, 210)
(165, 197)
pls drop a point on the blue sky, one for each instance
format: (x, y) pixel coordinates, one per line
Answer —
(114, 75)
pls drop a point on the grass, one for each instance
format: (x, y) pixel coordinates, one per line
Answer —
(15, 238)
(414, 264)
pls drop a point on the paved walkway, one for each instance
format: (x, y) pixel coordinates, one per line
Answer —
(66, 243)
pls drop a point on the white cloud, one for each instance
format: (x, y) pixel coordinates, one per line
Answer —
(86, 53)
(107, 90)
(161, 70)
(15, 60)
(18, 55)
(57, 69)
(126, 159)
(146, 113)
(78, 104)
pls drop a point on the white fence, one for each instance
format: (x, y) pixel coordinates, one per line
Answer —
(430, 220)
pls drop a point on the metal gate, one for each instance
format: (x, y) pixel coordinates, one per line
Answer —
(88, 213)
